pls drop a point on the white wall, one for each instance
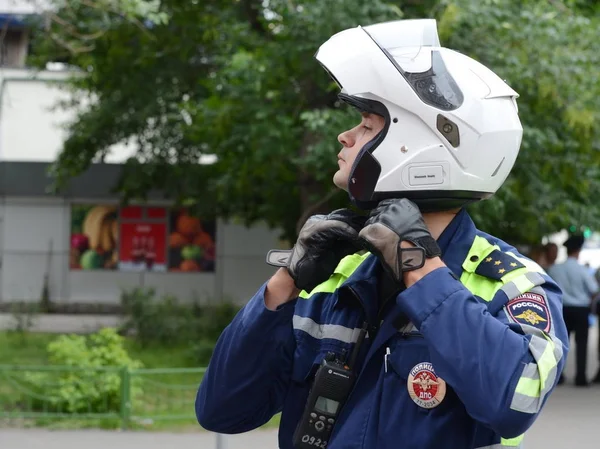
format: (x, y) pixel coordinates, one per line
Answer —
(23, 6)
(32, 122)
(27, 225)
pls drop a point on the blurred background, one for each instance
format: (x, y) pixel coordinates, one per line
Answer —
(152, 152)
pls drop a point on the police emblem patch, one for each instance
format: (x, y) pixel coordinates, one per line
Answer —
(426, 389)
(530, 309)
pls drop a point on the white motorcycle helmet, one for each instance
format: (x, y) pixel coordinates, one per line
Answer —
(452, 131)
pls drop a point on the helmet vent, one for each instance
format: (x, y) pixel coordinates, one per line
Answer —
(449, 130)
(498, 167)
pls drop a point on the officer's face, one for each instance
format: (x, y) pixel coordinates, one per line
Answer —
(353, 140)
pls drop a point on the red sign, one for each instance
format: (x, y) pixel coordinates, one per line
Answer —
(142, 246)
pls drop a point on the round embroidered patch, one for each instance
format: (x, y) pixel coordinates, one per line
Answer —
(530, 309)
(426, 389)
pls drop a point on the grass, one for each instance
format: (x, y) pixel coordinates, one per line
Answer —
(30, 349)
(164, 395)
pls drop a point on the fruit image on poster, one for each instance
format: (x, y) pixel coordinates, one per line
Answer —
(143, 246)
(94, 237)
(192, 243)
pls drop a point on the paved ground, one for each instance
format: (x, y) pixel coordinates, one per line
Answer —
(571, 419)
(56, 323)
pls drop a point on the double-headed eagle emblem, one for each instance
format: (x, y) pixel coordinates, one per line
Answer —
(531, 317)
(425, 382)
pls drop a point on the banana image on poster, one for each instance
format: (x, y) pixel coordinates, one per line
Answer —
(95, 247)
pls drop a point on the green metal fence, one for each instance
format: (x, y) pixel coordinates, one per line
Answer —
(120, 394)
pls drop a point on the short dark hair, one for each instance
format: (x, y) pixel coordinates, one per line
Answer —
(574, 243)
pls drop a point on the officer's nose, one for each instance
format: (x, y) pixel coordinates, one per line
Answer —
(346, 139)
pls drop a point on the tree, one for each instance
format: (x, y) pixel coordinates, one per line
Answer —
(239, 80)
(550, 62)
(235, 79)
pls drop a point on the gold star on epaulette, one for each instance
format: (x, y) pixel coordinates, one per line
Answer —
(497, 264)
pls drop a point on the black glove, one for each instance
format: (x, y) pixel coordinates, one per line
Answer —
(323, 241)
(392, 222)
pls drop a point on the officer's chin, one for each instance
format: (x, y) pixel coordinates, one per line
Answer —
(340, 180)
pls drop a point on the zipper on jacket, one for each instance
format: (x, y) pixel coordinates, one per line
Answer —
(411, 335)
(369, 327)
(372, 328)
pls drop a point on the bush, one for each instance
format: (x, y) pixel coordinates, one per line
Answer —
(83, 389)
(166, 321)
(150, 321)
(201, 352)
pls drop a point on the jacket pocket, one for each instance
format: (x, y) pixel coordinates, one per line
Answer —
(308, 357)
(410, 363)
(416, 397)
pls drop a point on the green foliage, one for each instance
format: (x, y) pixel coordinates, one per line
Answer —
(166, 321)
(82, 389)
(238, 79)
(548, 53)
(23, 316)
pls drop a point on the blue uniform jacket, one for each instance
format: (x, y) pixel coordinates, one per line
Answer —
(499, 366)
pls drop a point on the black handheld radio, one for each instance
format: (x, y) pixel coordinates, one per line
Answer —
(331, 387)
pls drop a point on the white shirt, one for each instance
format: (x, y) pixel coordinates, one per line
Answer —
(575, 281)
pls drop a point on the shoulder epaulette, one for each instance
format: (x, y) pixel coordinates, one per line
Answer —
(497, 265)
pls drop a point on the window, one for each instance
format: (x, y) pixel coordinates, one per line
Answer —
(13, 48)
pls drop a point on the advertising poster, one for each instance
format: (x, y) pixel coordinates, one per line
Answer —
(94, 237)
(140, 238)
(191, 243)
(143, 247)
(143, 239)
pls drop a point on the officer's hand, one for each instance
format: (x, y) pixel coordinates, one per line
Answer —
(323, 241)
(392, 222)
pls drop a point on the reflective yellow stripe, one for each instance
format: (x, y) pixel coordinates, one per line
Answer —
(480, 248)
(529, 387)
(479, 285)
(546, 363)
(512, 442)
(343, 271)
(533, 266)
(349, 264)
(329, 286)
(487, 288)
(522, 283)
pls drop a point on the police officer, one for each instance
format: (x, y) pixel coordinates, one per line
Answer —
(456, 340)
(579, 288)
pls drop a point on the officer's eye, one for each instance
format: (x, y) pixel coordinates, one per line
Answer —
(368, 128)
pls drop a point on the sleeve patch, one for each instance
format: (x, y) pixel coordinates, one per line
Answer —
(497, 265)
(530, 309)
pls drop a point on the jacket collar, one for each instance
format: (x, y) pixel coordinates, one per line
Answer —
(455, 243)
(456, 240)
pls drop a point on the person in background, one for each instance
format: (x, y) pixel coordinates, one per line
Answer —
(537, 255)
(550, 255)
(579, 288)
(596, 310)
